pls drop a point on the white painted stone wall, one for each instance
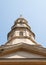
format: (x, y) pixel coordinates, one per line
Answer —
(22, 54)
(22, 25)
(25, 33)
(27, 41)
(16, 33)
(32, 37)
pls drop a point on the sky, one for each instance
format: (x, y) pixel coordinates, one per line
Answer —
(34, 11)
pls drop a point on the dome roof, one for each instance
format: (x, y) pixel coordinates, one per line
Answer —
(20, 20)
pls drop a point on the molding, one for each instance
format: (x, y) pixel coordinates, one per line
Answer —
(23, 47)
(23, 63)
(22, 37)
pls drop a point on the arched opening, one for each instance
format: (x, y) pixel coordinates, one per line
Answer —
(21, 33)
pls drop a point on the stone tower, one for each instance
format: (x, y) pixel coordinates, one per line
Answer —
(21, 33)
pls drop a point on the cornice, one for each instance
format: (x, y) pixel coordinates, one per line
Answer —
(22, 37)
(24, 47)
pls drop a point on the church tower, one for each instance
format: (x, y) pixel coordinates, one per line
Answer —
(21, 47)
(21, 33)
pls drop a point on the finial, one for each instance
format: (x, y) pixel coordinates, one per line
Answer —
(20, 16)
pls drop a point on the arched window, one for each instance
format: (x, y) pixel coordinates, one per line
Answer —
(21, 22)
(21, 33)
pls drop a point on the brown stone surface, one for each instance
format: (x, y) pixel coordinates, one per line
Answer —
(22, 63)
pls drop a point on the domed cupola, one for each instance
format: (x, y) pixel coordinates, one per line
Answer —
(21, 32)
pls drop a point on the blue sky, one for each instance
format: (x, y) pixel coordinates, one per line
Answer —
(32, 10)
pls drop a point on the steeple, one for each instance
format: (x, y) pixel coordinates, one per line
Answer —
(21, 32)
(21, 47)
